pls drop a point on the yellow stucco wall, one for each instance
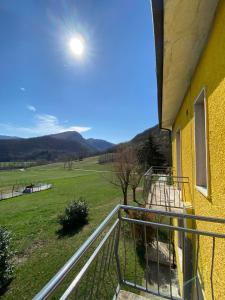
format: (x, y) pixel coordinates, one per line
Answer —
(210, 74)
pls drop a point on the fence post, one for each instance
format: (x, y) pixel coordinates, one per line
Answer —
(116, 249)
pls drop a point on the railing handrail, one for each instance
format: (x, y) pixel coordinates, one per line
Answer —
(175, 179)
(58, 278)
(61, 274)
(174, 214)
(157, 168)
(173, 227)
(81, 274)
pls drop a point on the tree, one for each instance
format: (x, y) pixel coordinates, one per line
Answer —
(135, 179)
(68, 162)
(148, 155)
(122, 169)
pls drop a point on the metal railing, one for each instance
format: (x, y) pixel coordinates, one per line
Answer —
(154, 172)
(163, 189)
(169, 191)
(142, 249)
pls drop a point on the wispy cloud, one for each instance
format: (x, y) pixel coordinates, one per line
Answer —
(31, 108)
(43, 124)
(22, 89)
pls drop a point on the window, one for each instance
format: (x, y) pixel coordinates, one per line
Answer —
(200, 142)
(178, 149)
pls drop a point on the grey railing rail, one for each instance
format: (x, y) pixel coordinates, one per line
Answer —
(162, 188)
(154, 172)
(137, 249)
(60, 276)
(169, 191)
(167, 170)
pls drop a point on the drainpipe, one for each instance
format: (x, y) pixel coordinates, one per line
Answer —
(170, 138)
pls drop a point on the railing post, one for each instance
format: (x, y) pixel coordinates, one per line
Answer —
(188, 266)
(116, 249)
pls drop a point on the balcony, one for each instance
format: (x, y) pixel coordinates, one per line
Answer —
(133, 255)
(164, 191)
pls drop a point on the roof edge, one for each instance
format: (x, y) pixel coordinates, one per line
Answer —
(158, 20)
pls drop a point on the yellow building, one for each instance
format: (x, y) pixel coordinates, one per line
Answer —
(190, 58)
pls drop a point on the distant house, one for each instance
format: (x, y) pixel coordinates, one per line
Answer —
(190, 58)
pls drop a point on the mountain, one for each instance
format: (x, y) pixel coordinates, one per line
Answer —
(72, 144)
(7, 137)
(100, 145)
(49, 147)
(160, 138)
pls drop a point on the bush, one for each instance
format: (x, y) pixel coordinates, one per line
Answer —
(6, 266)
(75, 215)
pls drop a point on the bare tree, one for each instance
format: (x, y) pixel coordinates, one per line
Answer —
(135, 179)
(122, 169)
(136, 172)
(68, 162)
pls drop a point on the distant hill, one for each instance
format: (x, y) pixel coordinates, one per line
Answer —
(100, 145)
(7, 137)
(72, 144)
(160, 138)
(50, 147)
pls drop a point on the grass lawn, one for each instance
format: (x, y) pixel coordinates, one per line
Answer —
(32, 219)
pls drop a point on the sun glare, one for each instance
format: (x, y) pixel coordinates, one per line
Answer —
(76, 45)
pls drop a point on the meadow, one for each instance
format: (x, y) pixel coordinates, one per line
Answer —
(32, 219)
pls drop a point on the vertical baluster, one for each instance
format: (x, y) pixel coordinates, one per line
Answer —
(125, 251)
(146, 258)
(76, 293)
(157, 239)
(183, 256)
(110, 262)
(174, 197)
(212, 267)
(164, 191)
(170, 242)
(103, 277)
(196, 267)
(168, 193)
(112, 267)
(110, 272)
(116, 249)
(180, 193)
(100, 271)
(112, 247)
(93, 279)
(135, 255)
(159, 192)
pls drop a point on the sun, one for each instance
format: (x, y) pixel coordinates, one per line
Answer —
(76, 45)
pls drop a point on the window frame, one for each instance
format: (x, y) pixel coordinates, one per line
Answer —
(178, 131)
(202, 189)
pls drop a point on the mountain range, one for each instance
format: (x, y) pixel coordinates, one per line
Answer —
(7, 137)
(71, 144)
(50, 147)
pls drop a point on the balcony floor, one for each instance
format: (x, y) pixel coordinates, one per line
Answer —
(124, 295)
(165, 197)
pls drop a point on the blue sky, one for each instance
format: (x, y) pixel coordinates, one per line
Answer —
(108, 93)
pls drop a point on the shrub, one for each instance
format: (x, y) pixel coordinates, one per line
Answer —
(143, 234)
(75, 215)
(6, 266)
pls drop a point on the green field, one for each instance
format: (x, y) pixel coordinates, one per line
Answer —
(32, 219)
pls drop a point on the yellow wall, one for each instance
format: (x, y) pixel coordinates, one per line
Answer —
(209, 74)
